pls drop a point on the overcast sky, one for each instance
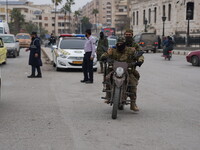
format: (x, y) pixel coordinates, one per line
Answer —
(78, 3)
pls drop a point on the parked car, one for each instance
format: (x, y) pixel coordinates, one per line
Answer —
(3, 52)
(4, 28)
(147, 41)
(11, 44)
(24, 40)
(70, 51)
(194, 58)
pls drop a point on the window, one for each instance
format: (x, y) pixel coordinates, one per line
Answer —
(144, 12)
(46, 24)
(60, 17)
(2, 10)
(121, 10)
(149, 15)
(45, 18)
(155, 15)
(169, 12)
(163, 10)
(133, 18)
(137, 17)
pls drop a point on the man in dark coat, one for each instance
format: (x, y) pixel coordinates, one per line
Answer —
(35, 56)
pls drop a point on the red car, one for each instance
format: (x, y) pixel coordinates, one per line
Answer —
(194, 58)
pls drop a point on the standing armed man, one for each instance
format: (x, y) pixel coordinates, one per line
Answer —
(89, 55)
(102, 46)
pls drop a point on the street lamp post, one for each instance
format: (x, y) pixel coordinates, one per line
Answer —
(189, 14)
(145, 25)
(163, 19)
(7, 10)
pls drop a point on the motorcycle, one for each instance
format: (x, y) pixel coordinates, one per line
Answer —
(118, 82)
(168, 56)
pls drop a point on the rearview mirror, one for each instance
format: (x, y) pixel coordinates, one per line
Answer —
(54, 46)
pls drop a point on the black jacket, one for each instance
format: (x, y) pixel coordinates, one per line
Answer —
(35, 47)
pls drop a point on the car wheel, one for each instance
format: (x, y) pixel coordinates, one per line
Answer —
(18, 53)
(154, 51)
(58, 69)
(4, 62)
(15, 54)
(195, 61)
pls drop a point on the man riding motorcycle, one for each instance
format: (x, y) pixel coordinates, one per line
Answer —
(128, 34)
(130, 55)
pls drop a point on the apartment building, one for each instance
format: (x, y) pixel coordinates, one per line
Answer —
(42, 15)
(174, 12)
(103, 17)
(120, 18)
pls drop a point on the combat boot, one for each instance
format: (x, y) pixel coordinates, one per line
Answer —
(134, 106)
(108, 96)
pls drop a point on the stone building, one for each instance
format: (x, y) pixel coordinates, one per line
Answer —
(179, 14)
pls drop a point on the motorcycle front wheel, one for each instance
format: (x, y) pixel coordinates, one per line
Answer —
(116, 98)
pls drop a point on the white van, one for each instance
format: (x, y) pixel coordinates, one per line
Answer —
(4, 28)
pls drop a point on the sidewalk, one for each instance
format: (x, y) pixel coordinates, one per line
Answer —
(47, 52)
(177, 51)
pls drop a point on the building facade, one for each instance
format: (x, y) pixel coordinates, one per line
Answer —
(42, 15)
(178, 15)
(103, 17)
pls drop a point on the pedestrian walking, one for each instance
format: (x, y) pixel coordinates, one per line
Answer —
(35, 56)
(89, 55)
(101, 48)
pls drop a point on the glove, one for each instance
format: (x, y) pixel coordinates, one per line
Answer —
(139, 63)
(103, 58)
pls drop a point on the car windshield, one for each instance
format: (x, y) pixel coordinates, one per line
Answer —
(72, 44)
(111, 42)
(23, 37)
(148, 37)
(7, 39)
(1, 30)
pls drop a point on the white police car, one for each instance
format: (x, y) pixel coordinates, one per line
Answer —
(70, 51)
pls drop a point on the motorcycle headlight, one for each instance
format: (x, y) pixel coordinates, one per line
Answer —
(119, 72)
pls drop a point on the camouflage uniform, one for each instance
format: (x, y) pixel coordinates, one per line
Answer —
(129, 56)
(102, 46)
(137, 47)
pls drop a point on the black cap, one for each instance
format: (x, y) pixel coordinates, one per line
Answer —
(34, 33)
(88, 31)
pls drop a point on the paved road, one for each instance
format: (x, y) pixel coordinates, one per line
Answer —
(58, 112)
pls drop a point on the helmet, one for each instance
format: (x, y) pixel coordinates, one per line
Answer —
(120, 40)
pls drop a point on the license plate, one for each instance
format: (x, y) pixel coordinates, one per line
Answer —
(77, 62)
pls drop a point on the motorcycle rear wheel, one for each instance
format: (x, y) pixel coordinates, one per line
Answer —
(116, 98)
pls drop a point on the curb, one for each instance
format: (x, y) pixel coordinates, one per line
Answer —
(177, 52)
(47, 55)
